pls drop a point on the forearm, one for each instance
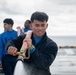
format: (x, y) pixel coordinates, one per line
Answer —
(1, 54)
(11, 43)
(42, 60)
(15, 43)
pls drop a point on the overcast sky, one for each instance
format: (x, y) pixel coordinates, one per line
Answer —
(62, 14)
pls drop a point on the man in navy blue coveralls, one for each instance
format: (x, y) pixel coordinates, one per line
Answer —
(43, 50)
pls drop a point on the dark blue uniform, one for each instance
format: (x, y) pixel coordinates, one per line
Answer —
(42, 57)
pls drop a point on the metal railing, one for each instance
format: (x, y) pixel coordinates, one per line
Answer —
(67, 46)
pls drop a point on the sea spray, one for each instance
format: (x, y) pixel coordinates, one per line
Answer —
(19, 69)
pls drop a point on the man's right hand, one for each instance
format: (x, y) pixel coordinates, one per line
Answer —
(12, 50)
(0, 64)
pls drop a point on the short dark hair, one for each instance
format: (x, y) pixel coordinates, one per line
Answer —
(8, 21)
(28, 21)
(40, 16)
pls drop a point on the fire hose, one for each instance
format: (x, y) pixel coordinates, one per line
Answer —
(22, 54)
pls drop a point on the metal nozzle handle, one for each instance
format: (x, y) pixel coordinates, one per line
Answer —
(23, 54)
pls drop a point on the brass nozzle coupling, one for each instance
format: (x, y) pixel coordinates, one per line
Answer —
(22, 54)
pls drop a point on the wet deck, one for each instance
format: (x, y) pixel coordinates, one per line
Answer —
(65, 62)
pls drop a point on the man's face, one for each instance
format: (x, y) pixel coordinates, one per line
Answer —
(27, 25)
(6, 26)
(39, 28)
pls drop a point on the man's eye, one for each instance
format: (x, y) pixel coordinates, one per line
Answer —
(42, 25)
(37, 25)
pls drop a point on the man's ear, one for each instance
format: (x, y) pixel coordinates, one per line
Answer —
(47, 26)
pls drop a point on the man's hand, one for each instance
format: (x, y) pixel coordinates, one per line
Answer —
(29, 42)
(18, 30)
(0, 64)
(12, 50)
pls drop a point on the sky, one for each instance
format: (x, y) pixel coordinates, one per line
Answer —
(62, 14)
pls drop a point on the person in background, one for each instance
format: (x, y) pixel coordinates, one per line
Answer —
(7, 61)
(1, 62)
(27, 25)
(43, 50)
(25, 28)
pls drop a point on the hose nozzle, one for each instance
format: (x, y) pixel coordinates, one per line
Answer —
(22, 54)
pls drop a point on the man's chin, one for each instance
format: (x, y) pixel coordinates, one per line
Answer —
(39, 35)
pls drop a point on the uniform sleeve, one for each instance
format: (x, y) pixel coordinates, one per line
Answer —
(46, 58)
(15, 43)
(1, 48)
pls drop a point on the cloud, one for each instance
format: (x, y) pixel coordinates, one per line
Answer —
(62, 13)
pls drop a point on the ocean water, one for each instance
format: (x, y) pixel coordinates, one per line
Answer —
(64, 40)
